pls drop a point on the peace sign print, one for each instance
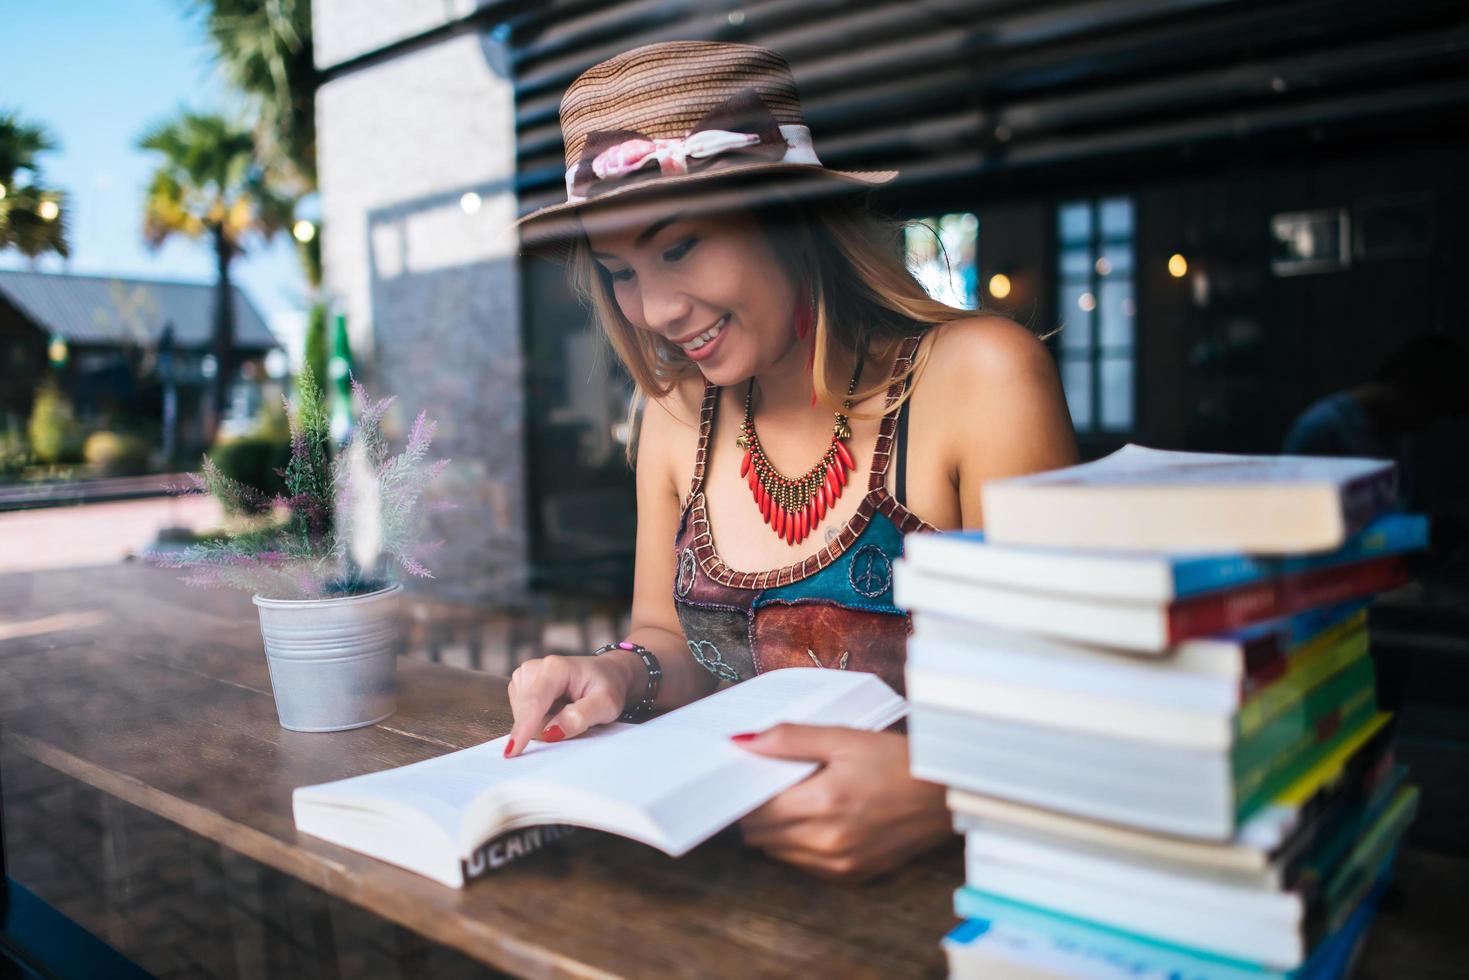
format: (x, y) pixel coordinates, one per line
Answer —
(871, 571)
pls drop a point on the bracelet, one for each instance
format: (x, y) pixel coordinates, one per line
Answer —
(643, 708)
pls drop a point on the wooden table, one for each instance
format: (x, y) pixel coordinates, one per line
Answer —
(159, 696)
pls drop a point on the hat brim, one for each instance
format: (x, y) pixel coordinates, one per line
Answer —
(551, 229)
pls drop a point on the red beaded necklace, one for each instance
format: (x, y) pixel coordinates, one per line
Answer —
(793, 507)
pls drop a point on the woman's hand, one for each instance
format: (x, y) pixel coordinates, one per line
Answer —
(860, 815)
(593, 690)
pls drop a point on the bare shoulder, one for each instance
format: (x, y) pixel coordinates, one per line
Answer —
(669, 431)
(986, 351)
(679, 409)
(992, 391)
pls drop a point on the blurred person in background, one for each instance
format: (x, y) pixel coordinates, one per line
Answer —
(1420, 383)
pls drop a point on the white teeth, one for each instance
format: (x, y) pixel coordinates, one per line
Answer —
(707, 335)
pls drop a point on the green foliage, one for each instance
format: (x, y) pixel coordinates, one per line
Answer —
(210, 183)
(116, 454)
(55, 434)
(15, 452)
(351, 518)
(24, 224)
(252, 461)
(316, 329)
(265, 50)
(308, 475)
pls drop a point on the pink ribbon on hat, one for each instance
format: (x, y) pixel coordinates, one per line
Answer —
(740, 127)
(672, 154)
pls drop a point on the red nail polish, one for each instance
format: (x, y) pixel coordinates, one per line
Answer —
(553, 734)
(744, 737)
(509, 747)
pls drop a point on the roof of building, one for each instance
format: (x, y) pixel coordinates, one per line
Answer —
(115, 310)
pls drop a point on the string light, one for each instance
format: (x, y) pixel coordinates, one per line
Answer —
(1177, 266)
(48, 210)
(470, 202)
(303, 231)
(1087, 302)
(999, 285)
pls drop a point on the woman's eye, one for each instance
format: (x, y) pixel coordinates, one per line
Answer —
(622, 275)
(679, 251)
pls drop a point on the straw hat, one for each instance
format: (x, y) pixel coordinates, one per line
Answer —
(654, 120)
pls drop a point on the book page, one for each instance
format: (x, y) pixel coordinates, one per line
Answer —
(1135, 465)
(443, 788)
(680, 771)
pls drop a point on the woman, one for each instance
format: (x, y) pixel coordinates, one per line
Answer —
(808, 405)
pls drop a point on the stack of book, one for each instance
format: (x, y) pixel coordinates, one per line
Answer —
(1148, 689)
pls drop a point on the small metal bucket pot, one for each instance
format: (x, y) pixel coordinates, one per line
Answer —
(332, 661)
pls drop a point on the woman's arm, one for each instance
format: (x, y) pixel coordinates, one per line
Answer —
(594, 690)
(663, 436)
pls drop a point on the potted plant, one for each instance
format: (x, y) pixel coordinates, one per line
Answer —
(323, 560)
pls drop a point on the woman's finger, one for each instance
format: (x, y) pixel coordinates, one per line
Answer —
(531, 700)
(597, 708)
(807, 800)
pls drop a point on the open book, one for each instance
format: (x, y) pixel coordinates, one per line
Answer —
(671, 782)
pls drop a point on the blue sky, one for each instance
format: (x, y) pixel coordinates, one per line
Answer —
(97, 73)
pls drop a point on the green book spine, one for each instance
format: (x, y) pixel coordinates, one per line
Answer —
(1297, 739)
(1312, 665)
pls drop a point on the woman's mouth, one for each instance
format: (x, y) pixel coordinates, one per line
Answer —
(706, 338)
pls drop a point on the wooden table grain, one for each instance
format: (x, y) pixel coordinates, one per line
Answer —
(160, 696)
(123, 679)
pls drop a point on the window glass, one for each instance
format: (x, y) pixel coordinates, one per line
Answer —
(1074, 223)
(942, 253)
(1076, 379)
(1114, 306)
(1097, 309)
(1117, 218)
(1117, 393)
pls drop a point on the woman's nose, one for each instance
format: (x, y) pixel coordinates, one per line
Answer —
(665, 310)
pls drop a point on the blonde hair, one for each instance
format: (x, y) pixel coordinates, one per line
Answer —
(864, 296)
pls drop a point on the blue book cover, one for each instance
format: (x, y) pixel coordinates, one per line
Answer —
(1390, 534)
(1198, 574)
(1050, 940)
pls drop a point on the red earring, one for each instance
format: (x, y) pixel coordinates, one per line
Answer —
(804, 320)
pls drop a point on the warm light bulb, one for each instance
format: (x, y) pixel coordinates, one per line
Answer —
(2, 192)
(1087, 302)
(48, 210)
(470, 202)
(1177, 266)
(303, 231)
(1103, 266)
(999, 285)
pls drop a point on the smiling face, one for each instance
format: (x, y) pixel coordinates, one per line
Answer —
(710, 284)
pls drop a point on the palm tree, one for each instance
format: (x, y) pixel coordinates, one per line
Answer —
(33, 218)
(265, 49)
(209, 184)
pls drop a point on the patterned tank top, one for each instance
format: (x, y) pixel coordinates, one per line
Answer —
(834, 609)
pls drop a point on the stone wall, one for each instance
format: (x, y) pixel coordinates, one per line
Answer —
(416, 158)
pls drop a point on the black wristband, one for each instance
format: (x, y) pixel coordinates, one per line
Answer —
(644, 707)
